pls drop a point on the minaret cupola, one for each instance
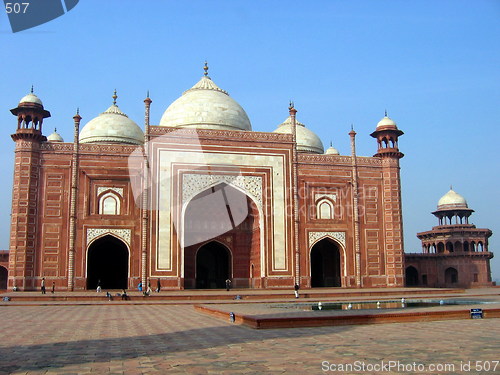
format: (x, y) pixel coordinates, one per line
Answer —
(30, 114)
(387, 134)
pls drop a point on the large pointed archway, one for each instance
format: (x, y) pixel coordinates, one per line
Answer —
(325, 264)
(107, 263)
(223, 220)
(213, 266)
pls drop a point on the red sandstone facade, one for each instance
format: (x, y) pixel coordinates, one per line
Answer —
(78, 221)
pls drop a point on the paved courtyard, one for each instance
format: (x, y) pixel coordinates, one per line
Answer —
(175, 339)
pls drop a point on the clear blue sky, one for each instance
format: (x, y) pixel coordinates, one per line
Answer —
(434, 65)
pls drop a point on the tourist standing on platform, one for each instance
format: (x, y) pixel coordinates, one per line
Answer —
(228, 284)
(53, 287)
(43, 285)
(158, 286)
(149, 290)
(296, 290)
(139, 287)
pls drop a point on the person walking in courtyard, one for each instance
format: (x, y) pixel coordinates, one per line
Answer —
(53, 287)
(149, 290)
(99, 288)
(228, 284)
(43, 285)
(296, 290)
(139, 287)
(158, 286)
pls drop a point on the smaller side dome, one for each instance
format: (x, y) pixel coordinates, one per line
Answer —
(452, 200)
(55, 137)
(112, 126)
(307, 141)
(332, 150)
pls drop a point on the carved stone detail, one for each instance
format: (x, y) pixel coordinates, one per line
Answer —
(123, 234)
(117, 190)
(314, 236)
(225, 134)
(193, 184)
(337, 159)
(332, 197)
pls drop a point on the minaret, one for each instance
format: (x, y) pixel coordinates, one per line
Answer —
(25, 193)
(74, 200)
(145, 193)
(293, 113)
(355, 208)
(387, 134)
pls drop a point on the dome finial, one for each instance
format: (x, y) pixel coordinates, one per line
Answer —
(291, 105)
(451, 187)
(78, 110)
(55, 130)
(147, 96)
(385, 113)
(114, 97)
(205, 68)
(32, 89)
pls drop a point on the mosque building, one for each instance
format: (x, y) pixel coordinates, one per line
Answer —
(454, 253)
(201, 198)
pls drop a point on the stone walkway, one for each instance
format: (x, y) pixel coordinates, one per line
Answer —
(175, 339)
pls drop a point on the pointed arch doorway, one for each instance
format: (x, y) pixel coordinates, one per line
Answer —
(213, 266)
(325, 264)
(107, 262)
(221, 225)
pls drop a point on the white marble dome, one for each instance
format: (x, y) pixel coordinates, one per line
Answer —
(206, 106)
(30, 99)
(452, 200)
(307, 141)
(55, 137)
(112, 126)
(386, 122)
(332, 151)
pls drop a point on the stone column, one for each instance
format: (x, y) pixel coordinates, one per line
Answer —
(73, 202)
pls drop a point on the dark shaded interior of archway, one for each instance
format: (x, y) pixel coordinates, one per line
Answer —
(212, 266)
(325, 264)
(107, 263)
(221, 215)
(451, 276)
(411, 276)
(3, 277)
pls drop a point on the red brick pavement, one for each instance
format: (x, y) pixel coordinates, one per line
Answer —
(171, 339)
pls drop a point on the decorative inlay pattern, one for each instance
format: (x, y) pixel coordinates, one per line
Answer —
(226, 134)
(123, 234)
(332, 197)
(89, 147)
(314, 236)
(337, 159)
(117, 190)
(193, 184)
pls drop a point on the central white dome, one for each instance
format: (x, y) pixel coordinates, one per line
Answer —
(206, 106)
